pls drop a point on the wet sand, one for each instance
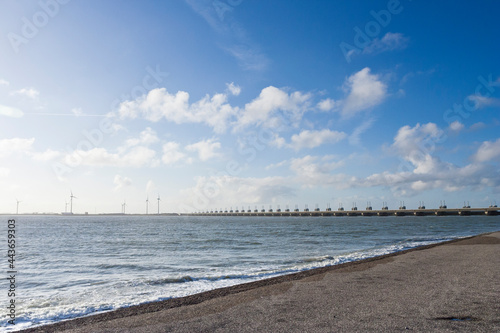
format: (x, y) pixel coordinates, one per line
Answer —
(449, 287)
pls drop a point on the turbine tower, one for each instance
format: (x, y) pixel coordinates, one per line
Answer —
(17, 206)
(123, 206)
(158, 203)
(71, 202)
(147, 205)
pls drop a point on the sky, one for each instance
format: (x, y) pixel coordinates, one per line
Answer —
(220, 104)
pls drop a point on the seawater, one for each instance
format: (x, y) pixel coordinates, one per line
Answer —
(73, 266)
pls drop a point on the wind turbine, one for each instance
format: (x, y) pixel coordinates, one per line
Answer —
(71, 202)
(158, 203)
(147, 204)
(17, 206)
(123, 206)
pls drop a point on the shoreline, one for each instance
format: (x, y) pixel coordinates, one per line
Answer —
(237, 291)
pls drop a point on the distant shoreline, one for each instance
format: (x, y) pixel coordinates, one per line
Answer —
(466, 211)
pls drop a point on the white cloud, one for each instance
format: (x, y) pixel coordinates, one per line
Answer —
(171, 153)
(15, 145)
(274, 107)
(390, 41)
(121, 182)
(488, 151)
(456, 126)
(136, 157)
(419, 170)
(146, 137)
(10, 112)
(206, 149)
(4, 82)
(233, 89)
(311, 139)
(277, 141)
(265, 109)
(327, 104)
(482, 101)
(422, 139)
(159, 103)
(27, 92)
(365, 90)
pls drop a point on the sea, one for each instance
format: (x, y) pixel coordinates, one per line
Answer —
(74, 266)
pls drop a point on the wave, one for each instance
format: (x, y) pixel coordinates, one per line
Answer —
(156, 289)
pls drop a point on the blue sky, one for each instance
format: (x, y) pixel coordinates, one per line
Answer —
(238, 103)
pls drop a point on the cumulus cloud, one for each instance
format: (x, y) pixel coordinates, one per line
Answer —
(488, 151)
(312, 139)
(271, 106)
(420, 170)
(327, 104)
(121, 182)
(171, 153)
(146, 138)
(160, 104)
(276, 108)
(4, 82)
(410, 141)
(390, 41)
(364, 90)
(27, 92)
(233, 89)
(456, 126)
(206, 149)
(277, 141)
(15, 145)
(9, 111)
